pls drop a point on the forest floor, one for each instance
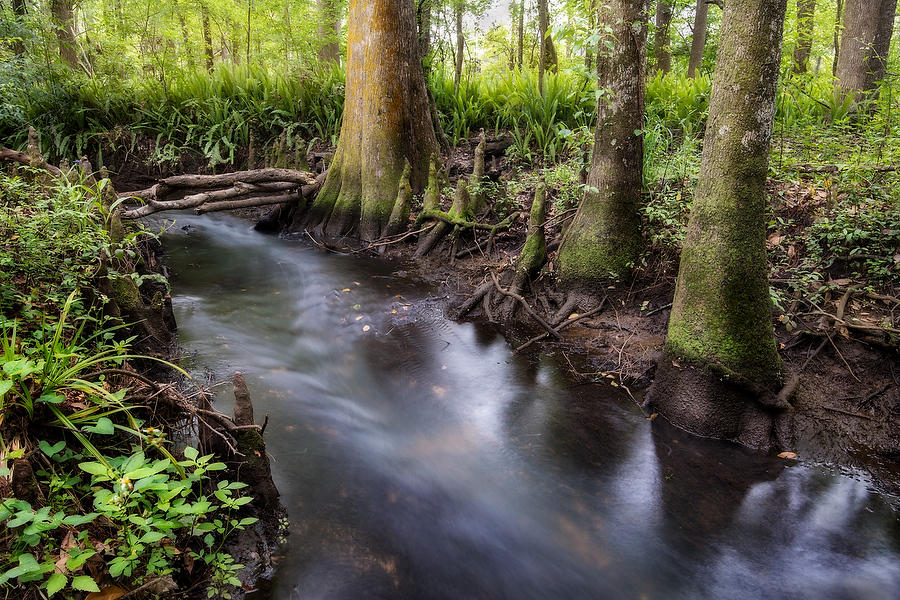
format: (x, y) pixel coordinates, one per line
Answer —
(836, 328)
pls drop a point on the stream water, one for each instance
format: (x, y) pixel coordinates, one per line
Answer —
(420, 458)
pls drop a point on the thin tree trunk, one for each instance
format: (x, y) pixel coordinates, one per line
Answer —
(605, 238)
(207, 36)
(63, 12)
(838, 16)
(423, 17)
(520, 48)
(590, 50)
(20, 11)
(721, 362)
(868, 26)
(460, 45)
(329, 32)
(662, 37)
(386, 123)
(542, 37)
(698, 42)
(806, 10)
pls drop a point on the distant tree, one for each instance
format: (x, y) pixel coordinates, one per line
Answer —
(698, 40)
(721, 365)
(604, 238)
(20, 11)
(661, 38)
(63, 13)
(806, 11)
(329, 31)
(207, 35)
(386, 123)
(868, 26)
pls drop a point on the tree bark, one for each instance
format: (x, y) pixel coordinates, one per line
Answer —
(460, 45)
(868, 26)
(386, 122)
(698, 41)
(590, 50)
(662, 37)
(806, 10)
(604, 238)
(329, 32)
(720, 352)
(63, 12)
(542, 37)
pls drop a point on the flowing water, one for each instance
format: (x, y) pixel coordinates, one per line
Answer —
(420, 458)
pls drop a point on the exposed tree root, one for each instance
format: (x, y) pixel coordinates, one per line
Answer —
(566, 323)
(550, 331)
(208, 193)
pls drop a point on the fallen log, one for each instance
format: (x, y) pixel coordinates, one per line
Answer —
(247, 203)
(197, 200)
(25, 159)
(177, 183)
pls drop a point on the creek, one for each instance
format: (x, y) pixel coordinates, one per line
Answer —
(421, 458)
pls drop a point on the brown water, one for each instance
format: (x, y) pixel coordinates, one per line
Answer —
(420, 458)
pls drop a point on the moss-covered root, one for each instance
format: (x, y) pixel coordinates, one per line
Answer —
(432, 200)
(255, 470)
(477, 182)
(461, 209)
(534, 253)
(400, 213)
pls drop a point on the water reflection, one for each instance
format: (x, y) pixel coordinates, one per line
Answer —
(419, 458)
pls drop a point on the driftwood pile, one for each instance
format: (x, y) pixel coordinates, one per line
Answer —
(210, 193)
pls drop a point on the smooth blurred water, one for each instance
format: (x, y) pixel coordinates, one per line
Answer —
(420, 458)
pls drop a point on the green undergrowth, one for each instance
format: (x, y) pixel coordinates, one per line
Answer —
(94, 495)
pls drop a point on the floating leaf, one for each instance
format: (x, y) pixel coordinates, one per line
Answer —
(788, 455)
(367, 328)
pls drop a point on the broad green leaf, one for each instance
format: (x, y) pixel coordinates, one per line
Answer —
(56, 582)
(94, 468)
(85, 583)
(49, 450)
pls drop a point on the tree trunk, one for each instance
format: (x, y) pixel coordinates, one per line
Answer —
(698, 42)
(806, 10)
(868, 26)
(662, 37)
(20, 11)
(460, 45)
(720, 354)
(590, 50)
(542, 37)
(386, 122)
(329, 32)
(837, 36)
(207, 36)
(520, 47)
(604, 238)
(63, 12)
(423, 17)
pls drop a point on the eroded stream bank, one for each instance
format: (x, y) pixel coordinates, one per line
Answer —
(420, 458)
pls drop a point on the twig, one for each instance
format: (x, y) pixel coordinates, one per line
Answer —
(658, 310)
(847, 412)
(564, 324)
(527, 307)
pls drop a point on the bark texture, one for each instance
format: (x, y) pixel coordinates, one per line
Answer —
(460, 46)
(868, 26)
(207, 37)
(20, 11)
(720, 352)
(698, 42)
(386, 123)
(520, 34)
(662, 37)
(423, 19)
(604, 238)
(806, 10)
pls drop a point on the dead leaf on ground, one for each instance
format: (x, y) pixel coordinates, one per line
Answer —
(108, 593)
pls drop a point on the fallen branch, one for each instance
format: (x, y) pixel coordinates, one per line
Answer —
(839, 168)
(25, 159)
(246, 203)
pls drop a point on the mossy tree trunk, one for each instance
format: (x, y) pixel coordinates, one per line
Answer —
(662, 37)
(866, 39)
(720, 351)
(386, 123)
(207, 36)
(806, 11)
(604, 238)
(460, 44)
(698, 40)
(21, 12)
(520, 34)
